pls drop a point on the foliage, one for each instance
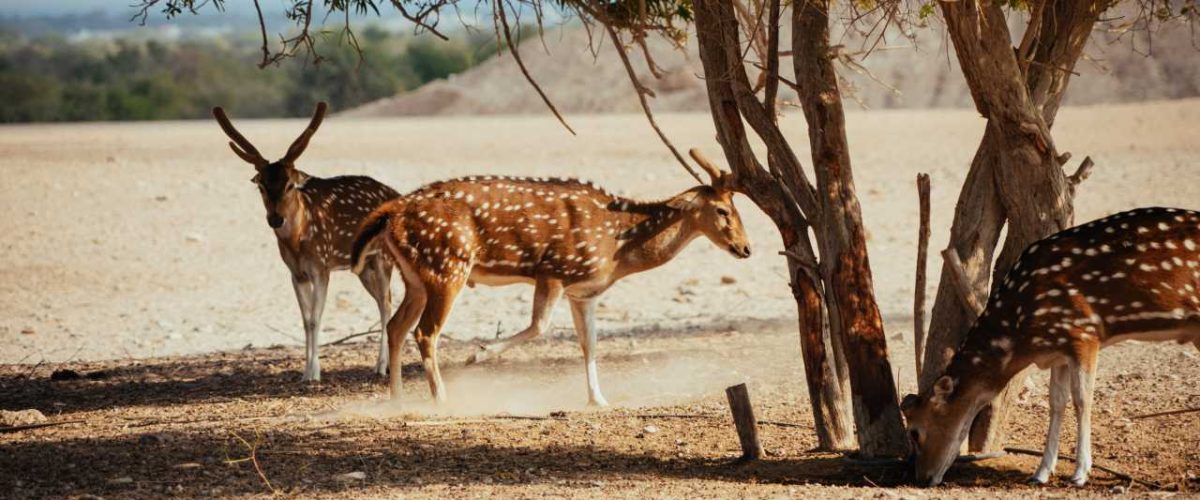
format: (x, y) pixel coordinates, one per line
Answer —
(52, 79)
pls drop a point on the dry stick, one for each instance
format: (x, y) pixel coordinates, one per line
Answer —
(642, 91)
(19, 428)
(354, 335)
(743, 419)
(1114, 472)
(512, 48)
(961, 283)
(922, 265)
(775, 423)
(253, 458)
(1166, 413)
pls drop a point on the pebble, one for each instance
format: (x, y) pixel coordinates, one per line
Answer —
(352, 476)
(728, 280)
(121, 480)
(193, 238)
(22, 417)
(27, 331)
(650, 429)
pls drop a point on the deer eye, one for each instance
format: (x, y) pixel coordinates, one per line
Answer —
(722, 212)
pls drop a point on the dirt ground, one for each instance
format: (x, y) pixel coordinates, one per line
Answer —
(173, 426)
(138, 254)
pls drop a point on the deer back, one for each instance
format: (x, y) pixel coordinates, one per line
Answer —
(1131, 275)
(528, 227)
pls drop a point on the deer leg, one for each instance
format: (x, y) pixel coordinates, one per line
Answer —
(376, 278)
(583, 312)
(545, 296)
(303, 286)
(1060, 389)
(397, 330)
(437, 308)
(312, 326)
(1083, 382)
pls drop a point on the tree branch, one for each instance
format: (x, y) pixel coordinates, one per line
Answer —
(962, 284)
(922, 265)
(512, 48)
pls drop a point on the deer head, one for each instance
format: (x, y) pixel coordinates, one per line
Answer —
(277, 181)
(938, 422)
(710, 209)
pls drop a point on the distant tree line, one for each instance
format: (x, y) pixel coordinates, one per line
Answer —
(48, 78)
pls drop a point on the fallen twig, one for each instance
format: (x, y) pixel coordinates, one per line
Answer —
(352, 336)
(19, 428)
(1114, 472)
(252, 448)
(1166, 413)
(774, 423)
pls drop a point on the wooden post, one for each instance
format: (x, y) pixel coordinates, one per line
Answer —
(922, 261)
(744, 420)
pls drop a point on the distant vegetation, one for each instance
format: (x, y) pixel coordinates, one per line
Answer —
(48, 78)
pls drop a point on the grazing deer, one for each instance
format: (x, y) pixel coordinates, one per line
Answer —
(1130, 276)
(315, 221)
(563, 236)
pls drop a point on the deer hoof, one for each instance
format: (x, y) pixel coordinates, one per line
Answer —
(598, 402)
(1037, 480)
(1078, 481)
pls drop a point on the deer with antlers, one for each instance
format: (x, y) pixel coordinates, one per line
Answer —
(1130, 276)
(565, 237)
(315, 220)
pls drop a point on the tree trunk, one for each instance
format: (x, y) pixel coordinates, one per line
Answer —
(845, 267)
(1016, 174)
(728, 89)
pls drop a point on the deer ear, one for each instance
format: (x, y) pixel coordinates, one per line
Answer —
(685, 201)
(300, 180)
(943, 387)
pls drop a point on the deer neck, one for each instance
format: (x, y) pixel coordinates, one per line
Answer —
(296, 222)
(987, 360)
(655, 234)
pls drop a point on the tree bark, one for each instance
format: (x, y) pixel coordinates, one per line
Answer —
(727, 88)
(1017, 173)
(845, 267)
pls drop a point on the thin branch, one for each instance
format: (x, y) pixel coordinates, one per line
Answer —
(642, 91)
(1120, 475)
(262, 27)
(353, 336)
(419, 19)
(512, 48)
(922, 265)
(961, 283)
(1167, 413)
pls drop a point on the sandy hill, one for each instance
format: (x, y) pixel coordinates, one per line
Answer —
(926, 75)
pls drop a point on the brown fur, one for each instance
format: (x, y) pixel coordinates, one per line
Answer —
(562, 235)
(1133, 275)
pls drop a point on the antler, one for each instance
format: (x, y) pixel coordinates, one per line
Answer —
(239, 145)
(297, 147)
(720, 178)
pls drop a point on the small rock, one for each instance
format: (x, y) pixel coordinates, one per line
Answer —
(161, 197)
(558, 414)
(23, 417)
(27, 331)
(650, 429)
(193, 238)
(64, 375)
(728, 280)
(1117, 490)
(352, 476)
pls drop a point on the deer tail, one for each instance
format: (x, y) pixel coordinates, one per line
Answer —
(368, 230)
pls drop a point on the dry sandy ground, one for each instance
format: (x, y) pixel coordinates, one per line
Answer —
(132, 241)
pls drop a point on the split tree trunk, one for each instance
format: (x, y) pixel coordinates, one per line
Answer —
(854, 317)
(1016, 174)
(731, 99)
(844, 271)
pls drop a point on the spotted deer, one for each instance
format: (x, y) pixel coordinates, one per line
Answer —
(315, 220)
(565, 237)
(1130, 276)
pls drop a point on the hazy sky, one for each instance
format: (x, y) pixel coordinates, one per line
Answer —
(43, 7)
